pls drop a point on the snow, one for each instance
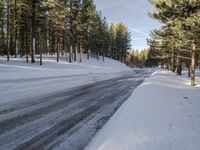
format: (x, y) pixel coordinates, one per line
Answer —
(18, 69)
(163, 113)
(19, 80)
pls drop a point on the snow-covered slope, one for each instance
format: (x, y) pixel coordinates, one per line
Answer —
(162, 114)
(19, 80)
(17, 68)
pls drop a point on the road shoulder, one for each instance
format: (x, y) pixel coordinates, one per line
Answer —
(163, 113)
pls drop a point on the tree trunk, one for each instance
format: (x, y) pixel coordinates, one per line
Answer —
(189, 75)
(11, 40)
(193, 65)
(16, 43)
(16, 50)
(172, 62)
(74, 50)
(46, 34)
(2, 33)
(65, 48)
(167, 66)
(40, 55)
(57, 49)
(26, 37)
(80, 51)
(97, 54)
(22, 41)
(66, 53)
(178, 65)
(33, 32)
(70, 54)
(88, 54)
(8, 30)
(40, 47)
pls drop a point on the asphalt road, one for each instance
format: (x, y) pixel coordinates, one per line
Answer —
(67, 119)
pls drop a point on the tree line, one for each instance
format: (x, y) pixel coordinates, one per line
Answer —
(61, 27)
(139, 59)
(176, 43)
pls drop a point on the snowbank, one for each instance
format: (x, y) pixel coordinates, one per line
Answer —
(19, 80)
(18, 69)
(162, 114)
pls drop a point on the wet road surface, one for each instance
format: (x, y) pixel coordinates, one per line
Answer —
(67, 119)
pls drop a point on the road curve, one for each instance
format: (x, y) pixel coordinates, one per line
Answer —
(66, 119)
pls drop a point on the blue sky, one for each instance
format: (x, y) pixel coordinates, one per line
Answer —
(134, 13)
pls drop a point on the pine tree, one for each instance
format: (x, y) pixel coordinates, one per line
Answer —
(2, 14)
(112, 42)
(181, 18)
(88, 22)
(32, 28)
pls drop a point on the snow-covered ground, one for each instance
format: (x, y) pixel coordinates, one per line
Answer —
(18, 69)
(162, 114)
(19, 80)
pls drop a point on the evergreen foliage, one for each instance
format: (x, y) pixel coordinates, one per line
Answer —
(177, 42)
(71, 27)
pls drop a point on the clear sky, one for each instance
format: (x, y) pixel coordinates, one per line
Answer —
(134, 13)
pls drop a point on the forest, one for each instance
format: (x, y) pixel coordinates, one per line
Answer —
(176, 44)
(30, 28)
